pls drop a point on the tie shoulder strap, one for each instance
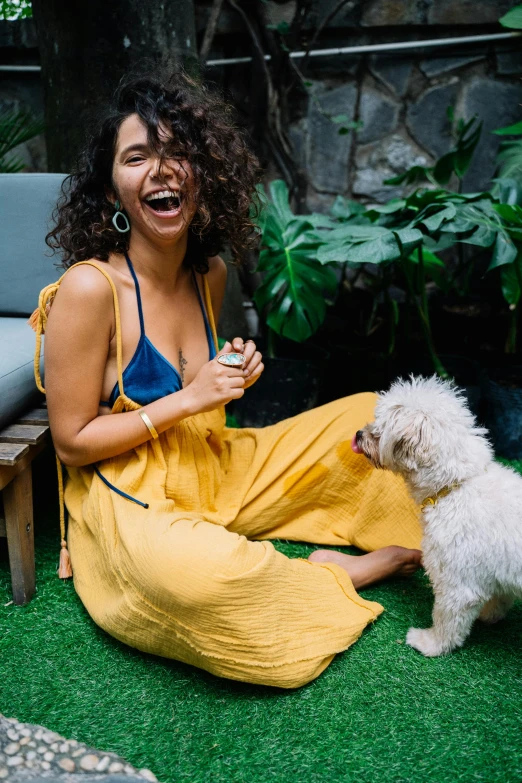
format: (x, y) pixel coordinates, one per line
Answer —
(210, 312)
(38, 321)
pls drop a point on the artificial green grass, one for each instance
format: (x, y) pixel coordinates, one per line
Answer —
(380, 712)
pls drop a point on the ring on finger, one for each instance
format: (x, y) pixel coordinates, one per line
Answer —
(231, 359)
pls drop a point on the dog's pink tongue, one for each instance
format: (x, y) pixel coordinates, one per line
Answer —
(355, 447)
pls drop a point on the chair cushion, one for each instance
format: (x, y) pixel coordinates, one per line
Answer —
(17, 386)
(26, 265)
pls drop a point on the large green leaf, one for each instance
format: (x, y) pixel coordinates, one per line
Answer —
(510, 283)
(344, 209)
(385, 248)
(510, 212)
(280, 202)
(509, 130)
(292, 294)
(434, 221)
(392, 207)
(409, 239)
(513, 18)
(510, 159)
(504, 251)
(412, 176)
(349, 233)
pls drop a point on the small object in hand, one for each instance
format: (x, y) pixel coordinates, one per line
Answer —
(231, 359)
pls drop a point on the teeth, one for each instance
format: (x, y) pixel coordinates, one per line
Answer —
(163, 194)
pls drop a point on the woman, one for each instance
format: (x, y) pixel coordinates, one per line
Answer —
(163, 499)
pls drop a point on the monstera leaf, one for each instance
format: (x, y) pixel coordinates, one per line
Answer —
(292, 294)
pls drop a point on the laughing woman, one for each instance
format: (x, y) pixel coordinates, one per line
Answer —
(167, 506)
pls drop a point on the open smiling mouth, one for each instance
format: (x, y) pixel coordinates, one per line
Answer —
(165, 202)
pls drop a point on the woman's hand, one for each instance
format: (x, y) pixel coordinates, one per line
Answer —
(253, 366)
(214, 385)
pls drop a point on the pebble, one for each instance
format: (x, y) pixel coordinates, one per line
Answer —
(102, 765)
(37, 751)
(148, 775)
(89, 762)
(15, 761)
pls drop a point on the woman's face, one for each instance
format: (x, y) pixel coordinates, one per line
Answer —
(159, 206)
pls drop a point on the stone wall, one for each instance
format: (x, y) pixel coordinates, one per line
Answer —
(400, 98)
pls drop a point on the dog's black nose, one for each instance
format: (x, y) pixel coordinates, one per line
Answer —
(359, 434)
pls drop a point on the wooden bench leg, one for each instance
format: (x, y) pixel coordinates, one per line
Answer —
(18, 509)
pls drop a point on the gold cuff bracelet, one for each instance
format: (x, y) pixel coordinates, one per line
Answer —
(150, 426)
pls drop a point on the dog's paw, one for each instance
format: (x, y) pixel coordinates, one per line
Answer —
(425, 641)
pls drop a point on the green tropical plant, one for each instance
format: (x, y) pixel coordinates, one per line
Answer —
(16, 127)
(455, 162)
(510, 153)
(15, 9)
(408, 233)
(513, 18)
(511, 273)
(292, 295)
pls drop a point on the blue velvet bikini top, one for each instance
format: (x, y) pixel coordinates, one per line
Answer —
(149, 376)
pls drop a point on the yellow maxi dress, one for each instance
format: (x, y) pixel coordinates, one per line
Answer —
(193, 576)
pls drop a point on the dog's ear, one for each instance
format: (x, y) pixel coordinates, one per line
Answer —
(412, 449)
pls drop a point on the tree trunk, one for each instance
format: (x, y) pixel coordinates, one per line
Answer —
(86, 48)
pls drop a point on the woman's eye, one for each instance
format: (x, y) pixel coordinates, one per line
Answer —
(135, 159)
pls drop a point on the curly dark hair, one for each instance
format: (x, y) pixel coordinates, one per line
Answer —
(204, 133)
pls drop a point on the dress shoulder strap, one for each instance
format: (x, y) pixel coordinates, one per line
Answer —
(210, 312)
(38, 321)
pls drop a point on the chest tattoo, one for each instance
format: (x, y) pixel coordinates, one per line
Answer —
(182, 364)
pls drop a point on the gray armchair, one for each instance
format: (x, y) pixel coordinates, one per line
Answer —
(26, 266)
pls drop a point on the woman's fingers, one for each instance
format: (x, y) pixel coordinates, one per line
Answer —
(254, 376)
(227, 348)
(247, 348)
(252, 364)
(238, 344)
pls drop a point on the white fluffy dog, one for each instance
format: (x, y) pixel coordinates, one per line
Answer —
(471, 507)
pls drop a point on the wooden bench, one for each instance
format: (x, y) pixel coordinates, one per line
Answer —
(20, 443)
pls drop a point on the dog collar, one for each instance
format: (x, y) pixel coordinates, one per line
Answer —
(440, 494)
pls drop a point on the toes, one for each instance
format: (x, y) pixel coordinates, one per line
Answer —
(320, 556)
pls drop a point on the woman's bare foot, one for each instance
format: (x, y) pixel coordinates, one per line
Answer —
(365, 570)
